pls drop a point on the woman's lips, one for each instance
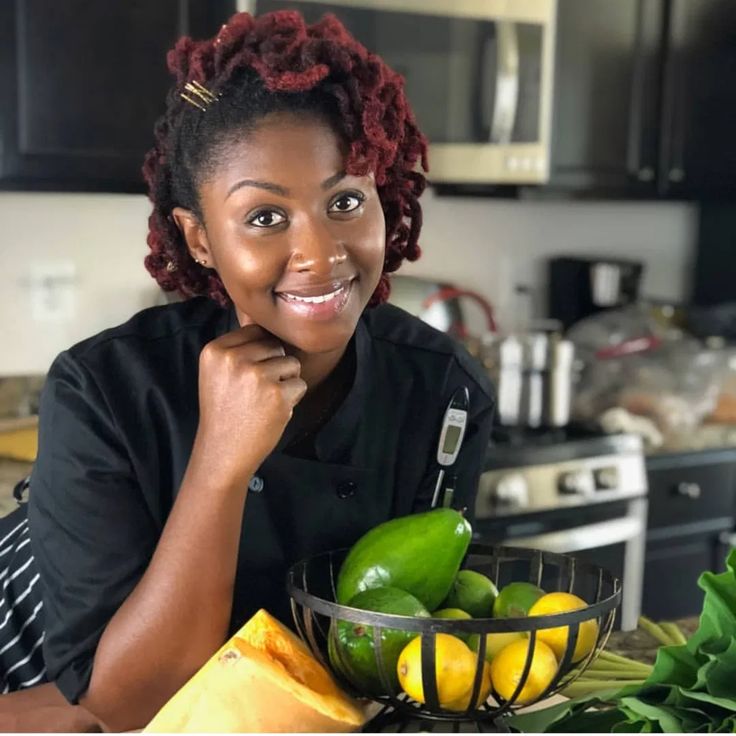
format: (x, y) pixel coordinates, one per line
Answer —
(322, 307)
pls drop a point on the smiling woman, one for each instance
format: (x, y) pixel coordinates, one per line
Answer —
(285, 188)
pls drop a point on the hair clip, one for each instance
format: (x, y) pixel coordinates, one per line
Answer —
(203, 95)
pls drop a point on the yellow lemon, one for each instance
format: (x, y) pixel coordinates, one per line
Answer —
(508, 667)
(454, 667)
(557, 637)
(483, 693)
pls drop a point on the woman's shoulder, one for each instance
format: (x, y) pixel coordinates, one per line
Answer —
(145, 344)
(177, 320)
(422, 344)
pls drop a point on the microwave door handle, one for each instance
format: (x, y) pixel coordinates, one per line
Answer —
(506, 99)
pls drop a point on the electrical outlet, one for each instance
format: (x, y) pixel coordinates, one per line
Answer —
(53, 290)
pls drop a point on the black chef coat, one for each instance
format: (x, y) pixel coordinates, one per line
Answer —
(117, 422)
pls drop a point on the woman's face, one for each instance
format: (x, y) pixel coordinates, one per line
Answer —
(298, 243)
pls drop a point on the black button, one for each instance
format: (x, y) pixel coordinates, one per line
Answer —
(346, 489)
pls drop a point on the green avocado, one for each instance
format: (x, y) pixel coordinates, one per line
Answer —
(351, 648)
(419, 553)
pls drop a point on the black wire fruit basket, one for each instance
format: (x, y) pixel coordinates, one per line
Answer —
(311, 584)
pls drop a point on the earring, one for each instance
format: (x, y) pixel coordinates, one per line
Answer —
(201, 263)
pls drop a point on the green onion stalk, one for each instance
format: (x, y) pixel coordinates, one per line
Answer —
(610, 671)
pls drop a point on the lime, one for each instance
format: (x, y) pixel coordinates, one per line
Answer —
(451, 613)
(457, 613)
(515, 600)
(472, 592)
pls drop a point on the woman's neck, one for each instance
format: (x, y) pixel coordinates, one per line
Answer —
(317, 368)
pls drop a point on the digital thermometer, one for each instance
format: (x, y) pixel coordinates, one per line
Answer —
(451, 438)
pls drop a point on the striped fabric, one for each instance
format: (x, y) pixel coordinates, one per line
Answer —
(21, 608)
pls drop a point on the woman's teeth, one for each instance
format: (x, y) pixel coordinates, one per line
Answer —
(314, 299)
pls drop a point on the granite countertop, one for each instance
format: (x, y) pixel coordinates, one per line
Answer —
(640, 645)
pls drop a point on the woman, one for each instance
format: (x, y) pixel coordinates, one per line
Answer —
(284, 191)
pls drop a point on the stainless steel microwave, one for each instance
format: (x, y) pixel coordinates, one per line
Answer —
(478, 73)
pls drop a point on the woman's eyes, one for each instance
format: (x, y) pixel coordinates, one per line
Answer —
(347, 202)
(343, 203)
(266, 218)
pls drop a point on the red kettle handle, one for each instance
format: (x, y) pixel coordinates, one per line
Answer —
(451, 292)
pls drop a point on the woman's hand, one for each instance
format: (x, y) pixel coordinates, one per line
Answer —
(248, 388)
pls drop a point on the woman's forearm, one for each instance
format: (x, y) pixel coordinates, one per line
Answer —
(178, 614)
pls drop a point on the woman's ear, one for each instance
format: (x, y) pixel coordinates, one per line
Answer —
(194, 234)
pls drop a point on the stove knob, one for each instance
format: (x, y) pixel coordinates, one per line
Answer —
(606, 479)
(511, 491)
(573, 483)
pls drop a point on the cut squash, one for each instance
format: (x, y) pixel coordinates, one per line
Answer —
(263, 679)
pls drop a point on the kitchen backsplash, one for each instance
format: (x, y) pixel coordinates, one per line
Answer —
(71, 264)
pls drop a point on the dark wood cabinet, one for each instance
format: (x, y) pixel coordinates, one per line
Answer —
(692, 504)
(82, 83)
(606, 96)
(643, 103)
(698, 144)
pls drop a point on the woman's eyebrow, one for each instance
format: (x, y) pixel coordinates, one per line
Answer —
(330, 181)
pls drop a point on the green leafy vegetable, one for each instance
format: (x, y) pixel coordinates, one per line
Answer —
(692, 688)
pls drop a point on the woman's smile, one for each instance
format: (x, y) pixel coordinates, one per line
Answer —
(319, 303)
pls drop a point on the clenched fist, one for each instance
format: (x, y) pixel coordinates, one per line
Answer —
(248, 388)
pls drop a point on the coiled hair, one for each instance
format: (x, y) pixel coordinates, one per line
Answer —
(278, 63)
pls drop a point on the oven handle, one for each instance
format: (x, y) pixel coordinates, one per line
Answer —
(589, 536)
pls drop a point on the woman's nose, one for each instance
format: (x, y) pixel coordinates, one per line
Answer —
(316, 249)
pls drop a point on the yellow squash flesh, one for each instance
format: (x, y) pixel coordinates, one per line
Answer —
(263, 679)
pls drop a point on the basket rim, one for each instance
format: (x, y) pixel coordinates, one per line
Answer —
(488, 625)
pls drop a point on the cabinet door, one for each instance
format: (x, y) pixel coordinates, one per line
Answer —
(671, 575)
(82, 83)
(606, 108)
(699, 104)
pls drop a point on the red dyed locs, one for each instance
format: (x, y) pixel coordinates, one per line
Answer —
(291, 56)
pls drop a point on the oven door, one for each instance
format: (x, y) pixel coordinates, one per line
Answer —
(612, 536)
(478, 75)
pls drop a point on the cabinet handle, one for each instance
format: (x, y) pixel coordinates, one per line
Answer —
(688, 490)
(672, 103)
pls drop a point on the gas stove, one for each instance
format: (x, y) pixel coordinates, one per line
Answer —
(575, 493)
(547, 475)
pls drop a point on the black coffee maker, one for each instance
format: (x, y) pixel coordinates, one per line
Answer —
(578, 287)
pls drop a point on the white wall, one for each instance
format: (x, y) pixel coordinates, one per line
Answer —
(102, 236)
(482, 244)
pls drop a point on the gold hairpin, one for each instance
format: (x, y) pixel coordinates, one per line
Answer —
(205, 97)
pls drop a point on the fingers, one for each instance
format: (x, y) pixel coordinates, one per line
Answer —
(281, 368)
(243, 335)
(251, 342)
(294, 389)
